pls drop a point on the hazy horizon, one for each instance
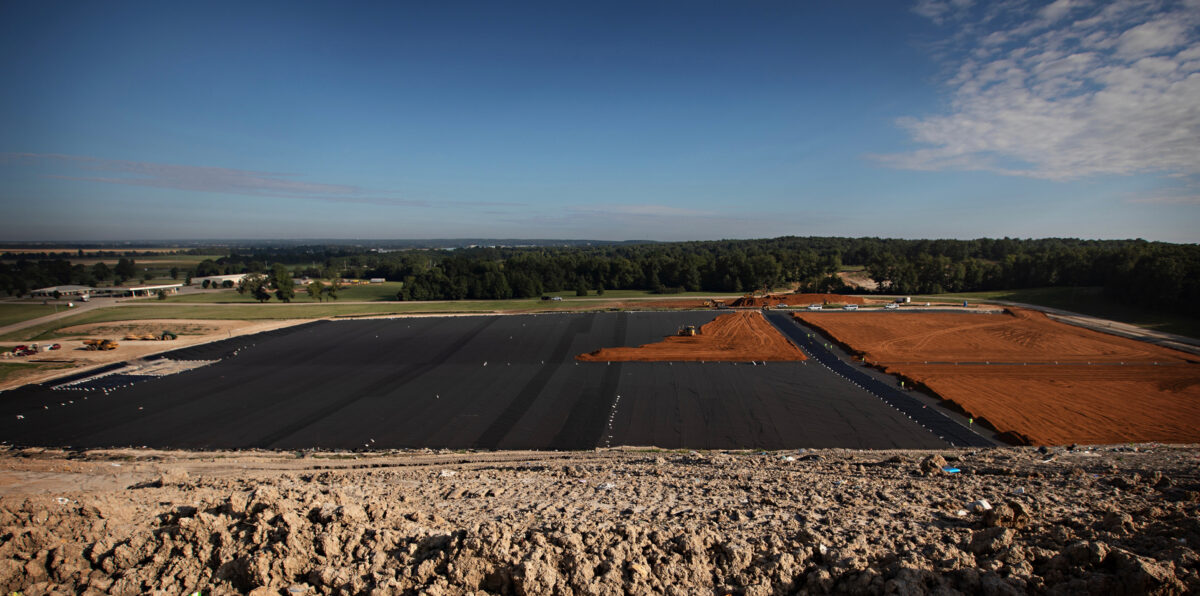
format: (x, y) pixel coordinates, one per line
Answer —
(616, 121)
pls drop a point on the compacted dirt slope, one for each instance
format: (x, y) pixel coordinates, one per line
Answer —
(1118, 520)
(1042, 381)
(1016, 336)
(733, 337)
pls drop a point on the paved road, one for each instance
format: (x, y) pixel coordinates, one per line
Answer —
(812, 343)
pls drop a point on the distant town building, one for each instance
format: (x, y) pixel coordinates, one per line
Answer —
(62, 291)
(218, 280)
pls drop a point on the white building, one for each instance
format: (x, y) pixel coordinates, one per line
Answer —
(218, 280)
(136, 291)
(62, 291)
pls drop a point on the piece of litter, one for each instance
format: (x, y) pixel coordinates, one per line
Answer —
(447, 473)
(980, 505)
(950, 470)
(62, 500)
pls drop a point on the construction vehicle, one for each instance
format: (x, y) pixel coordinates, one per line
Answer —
(100, 344)
(687, 330)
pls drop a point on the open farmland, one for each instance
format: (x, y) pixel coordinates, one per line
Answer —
(497, 382)
(1042, 381)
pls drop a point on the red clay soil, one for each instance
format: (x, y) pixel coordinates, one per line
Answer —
(1045, 381)
(795, 300)
(1017, 336)
(1059, 405)
(733, 337)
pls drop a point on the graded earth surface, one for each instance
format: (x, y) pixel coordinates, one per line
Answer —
(1042, 381)
(1103, 520)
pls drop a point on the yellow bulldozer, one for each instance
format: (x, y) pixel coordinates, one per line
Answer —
(100, 344)
(687, 330)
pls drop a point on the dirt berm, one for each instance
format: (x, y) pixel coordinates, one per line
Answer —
(1114, 520)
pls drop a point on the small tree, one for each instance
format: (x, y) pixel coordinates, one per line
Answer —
(206, 283)
(125, 270)
(162, 294)
(256, 286)
(101, 272)
(147, 276)
(331, 290)
(174, 272)
(314, 291)
(285, 287)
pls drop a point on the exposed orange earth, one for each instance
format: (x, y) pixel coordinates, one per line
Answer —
(733, 337)
(795, 300)
(1015, 336)
(1045, 382)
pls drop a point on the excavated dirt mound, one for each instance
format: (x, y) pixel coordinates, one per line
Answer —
(1120, 520)
(1022, 373)
(732, 337)
(795, 300)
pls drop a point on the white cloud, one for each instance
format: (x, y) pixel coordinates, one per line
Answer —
(1065, 91)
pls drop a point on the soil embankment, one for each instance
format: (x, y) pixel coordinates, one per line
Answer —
(732, 337)
(1024, 374)
(795, 300)
(1099, 521)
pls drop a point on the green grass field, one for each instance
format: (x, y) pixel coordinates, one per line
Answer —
(15, 313)
(170, 309)
(10, 370)
(383, 292)
(253, 312)
(386, 292)
(1087, 301)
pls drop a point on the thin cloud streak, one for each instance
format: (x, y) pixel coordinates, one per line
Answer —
(220, 180)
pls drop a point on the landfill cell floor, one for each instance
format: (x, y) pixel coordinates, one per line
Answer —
(487, 382)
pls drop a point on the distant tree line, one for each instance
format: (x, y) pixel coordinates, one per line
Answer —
(1152, 274)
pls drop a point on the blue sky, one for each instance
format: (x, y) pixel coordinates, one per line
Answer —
(605, 120)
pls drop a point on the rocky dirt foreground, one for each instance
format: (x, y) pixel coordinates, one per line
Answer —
(1103, 520)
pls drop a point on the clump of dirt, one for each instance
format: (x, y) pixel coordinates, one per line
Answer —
(795, 300)
(1013, 521)
(732, 337)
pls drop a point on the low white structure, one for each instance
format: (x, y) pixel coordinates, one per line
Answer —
(218, 280)
(62, 291)
(136, 291)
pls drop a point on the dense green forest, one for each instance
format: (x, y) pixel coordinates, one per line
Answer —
(1152, 274)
